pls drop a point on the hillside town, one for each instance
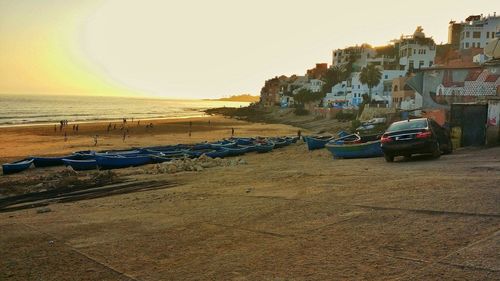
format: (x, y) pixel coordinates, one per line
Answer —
(457, 83)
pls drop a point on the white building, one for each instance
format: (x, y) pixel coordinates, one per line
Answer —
(416, 51)
(350, 92)
(314, 85)
(477, 31)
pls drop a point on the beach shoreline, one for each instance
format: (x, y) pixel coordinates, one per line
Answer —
(49, 140)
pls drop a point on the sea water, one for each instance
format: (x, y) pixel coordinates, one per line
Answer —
(38, 109)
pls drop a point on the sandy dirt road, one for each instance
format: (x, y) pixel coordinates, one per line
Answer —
(287, 215)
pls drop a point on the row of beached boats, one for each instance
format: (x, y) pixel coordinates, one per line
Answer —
(115, 159)
(346, 145)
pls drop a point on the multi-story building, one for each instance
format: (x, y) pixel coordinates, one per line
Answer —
(415, 51)
(357, 55)
(475, 32)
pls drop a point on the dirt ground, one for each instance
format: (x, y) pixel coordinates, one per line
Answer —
(287, 215)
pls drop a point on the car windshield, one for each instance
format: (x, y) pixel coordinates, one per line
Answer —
(408, 125)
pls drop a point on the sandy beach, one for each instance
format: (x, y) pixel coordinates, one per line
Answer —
(290, 214)
(42, 140)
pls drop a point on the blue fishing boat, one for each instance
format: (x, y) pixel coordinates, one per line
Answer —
(121, 161)
(235, 151)
(220, 152)
(41, 162)
(279, 142)
(247, 147)
(16, 167)
(224, 143)
(317, 142)
(165, 148)
(264, 147)
(201, 146)
(81, 165)
(363, 147)
(243, 141)
(163, 152)
(124, 152)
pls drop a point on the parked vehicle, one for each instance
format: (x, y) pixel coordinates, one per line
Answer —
(415, 136)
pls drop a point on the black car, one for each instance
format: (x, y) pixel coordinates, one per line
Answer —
(415, 136)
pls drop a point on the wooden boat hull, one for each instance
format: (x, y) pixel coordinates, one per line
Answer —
(81, 165)
(16, 167)
(355, 150)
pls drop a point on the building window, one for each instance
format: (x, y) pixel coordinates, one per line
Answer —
(411, 64)
(467, 34)
(476, 34)
(386, 76)
(414, 51)
(395, 88)
(430, 63)
(487, 35)
(466, 45)
(473, 44)
(479, 44)
(420, 64)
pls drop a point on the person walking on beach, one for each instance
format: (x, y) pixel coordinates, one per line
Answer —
(124, 136)
(77, 127)
(189, 133)
(65, 137)
(299, 134)
(232, 132)
(95, 139)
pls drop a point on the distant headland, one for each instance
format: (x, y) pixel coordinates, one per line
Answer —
(239, 98)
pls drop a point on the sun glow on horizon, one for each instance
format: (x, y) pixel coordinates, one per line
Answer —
(191, 49)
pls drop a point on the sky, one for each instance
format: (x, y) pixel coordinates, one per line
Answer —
(195, 49)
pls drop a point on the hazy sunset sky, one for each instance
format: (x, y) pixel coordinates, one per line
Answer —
(194, 49)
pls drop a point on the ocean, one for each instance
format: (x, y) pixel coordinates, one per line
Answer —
(23, 109)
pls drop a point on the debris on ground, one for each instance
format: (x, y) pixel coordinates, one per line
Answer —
(43, 210)
(196, 165)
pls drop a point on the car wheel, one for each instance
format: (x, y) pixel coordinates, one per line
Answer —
(437, 152)
(389, 157)
(449, 147)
